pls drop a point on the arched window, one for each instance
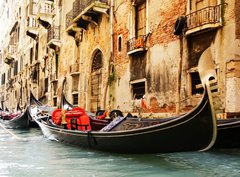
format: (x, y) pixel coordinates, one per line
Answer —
(97, 61)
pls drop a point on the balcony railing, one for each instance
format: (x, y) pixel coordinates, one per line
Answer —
(136, 44)
(207, 16)
(53, 33)
(81, 5)
(32, 22)
(12, 49)
(46, 7)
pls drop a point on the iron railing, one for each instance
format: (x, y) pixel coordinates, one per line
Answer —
(53, 33)
(80, 5)
(207, 15)
(46, 7)
(136, 43)
(32, 22)
(12, 49)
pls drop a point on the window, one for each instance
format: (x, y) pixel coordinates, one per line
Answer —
(138, 90)
(15, 71)
(195, 80)
(21, 63)
(55, 101)
(119, 43)
(45, 85)
(75, 99)
(9, 73)
(3, 78)
(75, 79)
(31, 55)
(97, 61)
(195, 5)
(140, 18)
(36, 52)
(56, 65)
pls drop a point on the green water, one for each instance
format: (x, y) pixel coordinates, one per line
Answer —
(34, 156)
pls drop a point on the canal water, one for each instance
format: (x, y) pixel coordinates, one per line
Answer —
(29, 154)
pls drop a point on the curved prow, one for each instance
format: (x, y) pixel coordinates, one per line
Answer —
(65, 104)
(206, 67)
(33, 100)
(207, 71)
(18, 107)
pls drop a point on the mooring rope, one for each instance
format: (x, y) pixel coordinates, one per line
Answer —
(8, 131)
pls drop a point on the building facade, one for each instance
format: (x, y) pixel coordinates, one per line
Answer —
(117, 53)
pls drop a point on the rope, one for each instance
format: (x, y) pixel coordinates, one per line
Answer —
(8, 131)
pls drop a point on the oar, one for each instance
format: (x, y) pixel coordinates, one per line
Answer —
(8, 131)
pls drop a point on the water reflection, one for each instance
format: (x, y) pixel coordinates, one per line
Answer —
(33, 155)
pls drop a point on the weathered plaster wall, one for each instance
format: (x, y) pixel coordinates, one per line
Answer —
(162, 57)
(95, 37)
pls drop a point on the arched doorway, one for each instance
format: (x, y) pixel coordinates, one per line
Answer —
(96, 81)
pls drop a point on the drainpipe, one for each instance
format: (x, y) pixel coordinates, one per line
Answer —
(111, 52)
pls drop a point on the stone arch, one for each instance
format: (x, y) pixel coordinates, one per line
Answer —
(96, 80)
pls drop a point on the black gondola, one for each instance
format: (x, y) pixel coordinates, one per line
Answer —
(228, 133)
(15, 120)
(193, 131)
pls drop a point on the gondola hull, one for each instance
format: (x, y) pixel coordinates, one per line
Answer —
(19, 121)
(228, 134)
(191, 132)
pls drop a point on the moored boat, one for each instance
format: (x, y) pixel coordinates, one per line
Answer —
(228, 133)
(15, 120)
(193, 131)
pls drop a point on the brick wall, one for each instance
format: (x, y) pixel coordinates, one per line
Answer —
(237, 15)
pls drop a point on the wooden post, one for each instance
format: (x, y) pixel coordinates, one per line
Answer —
(179, 76)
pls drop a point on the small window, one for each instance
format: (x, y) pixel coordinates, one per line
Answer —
(75, 80)
(3, 78)
(75, 99)
(119, 43)
(55, 101)
(138, 90)
(15, 70)
(45, 85)
(195, 80)
(31, 55)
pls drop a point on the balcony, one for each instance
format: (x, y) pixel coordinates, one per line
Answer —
(45, 13)
(136, 45)
(10, 54)
(53, 37)
(71, 27)
(74, 69)
(85, 12)
(32, 27)
(207, 18)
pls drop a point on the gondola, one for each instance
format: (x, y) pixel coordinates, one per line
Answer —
(228, 133)
(15, 120)
(193, 131)
(46, 110)
(96, 124)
